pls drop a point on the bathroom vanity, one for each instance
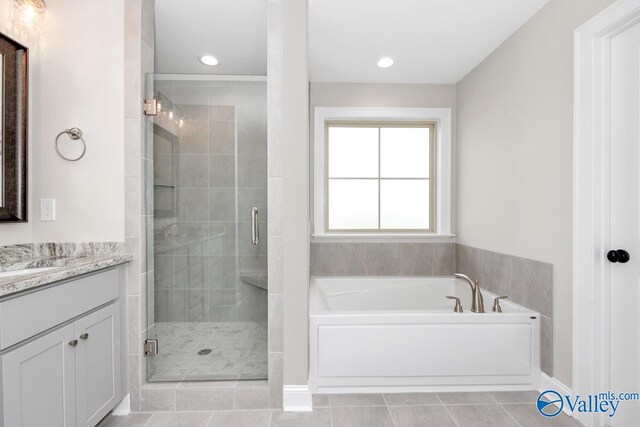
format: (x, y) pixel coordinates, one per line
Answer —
(61, 343)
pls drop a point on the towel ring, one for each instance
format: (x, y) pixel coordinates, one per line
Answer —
(75, 134)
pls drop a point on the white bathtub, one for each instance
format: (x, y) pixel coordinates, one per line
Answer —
(400, 334)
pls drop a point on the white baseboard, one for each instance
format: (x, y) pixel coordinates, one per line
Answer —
(123, 408)
(551, 383)
(296, 398)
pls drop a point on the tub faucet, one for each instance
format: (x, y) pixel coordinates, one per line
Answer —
(477, 306)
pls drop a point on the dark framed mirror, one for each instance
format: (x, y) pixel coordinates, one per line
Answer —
(14, 87)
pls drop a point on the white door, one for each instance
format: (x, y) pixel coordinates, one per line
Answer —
(38, 382)
(625, 224)
(97, 364)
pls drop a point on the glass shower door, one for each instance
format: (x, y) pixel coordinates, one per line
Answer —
(207, 298)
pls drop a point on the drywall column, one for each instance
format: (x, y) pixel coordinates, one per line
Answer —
(295, 191)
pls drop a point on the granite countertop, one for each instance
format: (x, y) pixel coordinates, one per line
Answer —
(62, 268)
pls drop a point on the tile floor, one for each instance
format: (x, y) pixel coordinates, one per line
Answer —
(500, 409)
(238, 351)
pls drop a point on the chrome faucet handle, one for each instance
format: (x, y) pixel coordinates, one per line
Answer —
(496, 304)
(458, 307)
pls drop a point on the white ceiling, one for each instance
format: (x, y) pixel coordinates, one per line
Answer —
(234, 31)
(431, 41)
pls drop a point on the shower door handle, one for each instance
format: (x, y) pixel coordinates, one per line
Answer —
(255, 232)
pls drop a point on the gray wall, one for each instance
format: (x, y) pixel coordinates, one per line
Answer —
(515, 153)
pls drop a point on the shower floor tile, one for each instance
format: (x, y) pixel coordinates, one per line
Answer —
(238, 350)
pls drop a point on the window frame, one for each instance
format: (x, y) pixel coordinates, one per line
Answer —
(432, 178)
(441, 222)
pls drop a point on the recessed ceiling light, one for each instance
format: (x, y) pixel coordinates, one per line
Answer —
(385, 62)
(209, 60)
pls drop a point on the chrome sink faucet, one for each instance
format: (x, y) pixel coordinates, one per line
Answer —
(477, 305)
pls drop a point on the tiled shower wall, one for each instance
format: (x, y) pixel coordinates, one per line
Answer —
(209, 173)
(139, 28)
(524, 281)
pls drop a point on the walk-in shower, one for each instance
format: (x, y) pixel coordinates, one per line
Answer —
(207, 298)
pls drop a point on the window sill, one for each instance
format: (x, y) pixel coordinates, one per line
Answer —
(383, 238)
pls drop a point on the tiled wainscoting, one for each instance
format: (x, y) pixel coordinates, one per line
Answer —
(524, 281)
(387, 259)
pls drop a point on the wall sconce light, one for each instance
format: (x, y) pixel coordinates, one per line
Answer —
(28, 17)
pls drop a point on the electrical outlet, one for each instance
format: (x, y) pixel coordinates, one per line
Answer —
(47, 209)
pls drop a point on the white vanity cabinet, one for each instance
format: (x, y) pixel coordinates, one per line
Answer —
(68, 373)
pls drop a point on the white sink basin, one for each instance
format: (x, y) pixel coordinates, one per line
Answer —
(25, 271)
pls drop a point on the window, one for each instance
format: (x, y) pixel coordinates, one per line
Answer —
(382, 172)
(380, 176)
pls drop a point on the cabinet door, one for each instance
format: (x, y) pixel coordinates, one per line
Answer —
(38, 382)
(97, 364)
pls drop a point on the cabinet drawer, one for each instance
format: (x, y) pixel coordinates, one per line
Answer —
(28, 315)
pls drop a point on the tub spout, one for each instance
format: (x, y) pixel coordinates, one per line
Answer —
(477, 305)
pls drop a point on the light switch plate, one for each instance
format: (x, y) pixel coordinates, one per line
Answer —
(47, 209)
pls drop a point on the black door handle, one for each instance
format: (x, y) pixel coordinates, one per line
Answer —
(618, 255)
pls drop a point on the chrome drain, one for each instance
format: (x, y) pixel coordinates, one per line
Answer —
(204, 352)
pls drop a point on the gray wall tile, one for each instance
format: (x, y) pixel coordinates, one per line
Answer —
(546, 345)
(275, 323)
(222, 204)
(468, 261)
(193, 204)
(526, 282)
(193, 137)
(222, 112)
(496, 272)
(222, 171)
(157, 400)
(443, 259)
(252, 137)
(375, 259)
(204, 399)
(533, 282)
(222, 137)
(275, 379)
(254, 171)
(249, 398)
(193, 170)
